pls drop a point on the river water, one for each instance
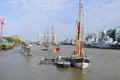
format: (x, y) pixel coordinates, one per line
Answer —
(104, 65)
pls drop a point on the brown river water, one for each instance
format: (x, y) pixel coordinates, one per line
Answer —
(104, 65)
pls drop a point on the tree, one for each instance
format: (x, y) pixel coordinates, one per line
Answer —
(9, 39)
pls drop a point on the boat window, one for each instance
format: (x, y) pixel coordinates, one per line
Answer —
(64, 59)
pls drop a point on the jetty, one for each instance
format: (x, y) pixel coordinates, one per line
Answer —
(45, 60)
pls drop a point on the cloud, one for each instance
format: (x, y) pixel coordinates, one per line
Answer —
(102, 14)
(37, 9)
(44, 5)
(35, 15)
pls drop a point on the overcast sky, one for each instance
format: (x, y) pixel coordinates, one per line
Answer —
(27, 18)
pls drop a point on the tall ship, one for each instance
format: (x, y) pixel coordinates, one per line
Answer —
(78, 57)
(53, 39)
(50, 41)
(46, 40)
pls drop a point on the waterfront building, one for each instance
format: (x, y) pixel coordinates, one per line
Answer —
(117, 34)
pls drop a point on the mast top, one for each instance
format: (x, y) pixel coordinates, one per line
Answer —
(80, 10)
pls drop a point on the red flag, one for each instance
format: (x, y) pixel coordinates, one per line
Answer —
(58, 49)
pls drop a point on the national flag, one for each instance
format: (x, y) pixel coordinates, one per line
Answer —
(56, 49)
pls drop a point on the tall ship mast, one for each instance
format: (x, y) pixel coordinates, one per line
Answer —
(39, 39)
(45, 43)
(78, 57)
(49, 45)
(47, 36)
(54, 41)
(44, 38)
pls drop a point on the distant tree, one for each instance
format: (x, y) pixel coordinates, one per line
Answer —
(9, 39)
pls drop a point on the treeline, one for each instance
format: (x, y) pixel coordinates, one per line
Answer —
(10, 39)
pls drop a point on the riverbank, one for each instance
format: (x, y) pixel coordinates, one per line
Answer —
(6, 46)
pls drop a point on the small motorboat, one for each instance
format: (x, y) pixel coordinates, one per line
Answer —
(62, 61)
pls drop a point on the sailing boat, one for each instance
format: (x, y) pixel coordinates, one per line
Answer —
(78, 58)
(55, 47)
(54, 41)
(45, 45)
(50, 45)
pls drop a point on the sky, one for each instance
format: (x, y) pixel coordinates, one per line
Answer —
(27, 18)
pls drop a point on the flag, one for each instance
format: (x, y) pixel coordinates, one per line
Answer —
(56, 49)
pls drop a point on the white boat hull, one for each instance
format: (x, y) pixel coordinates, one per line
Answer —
(44, 49)
(81, 65)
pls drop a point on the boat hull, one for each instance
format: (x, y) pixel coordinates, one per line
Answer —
(63, 61)
(80, 63)
(44, 49)
(115, 46)
(63, 64)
